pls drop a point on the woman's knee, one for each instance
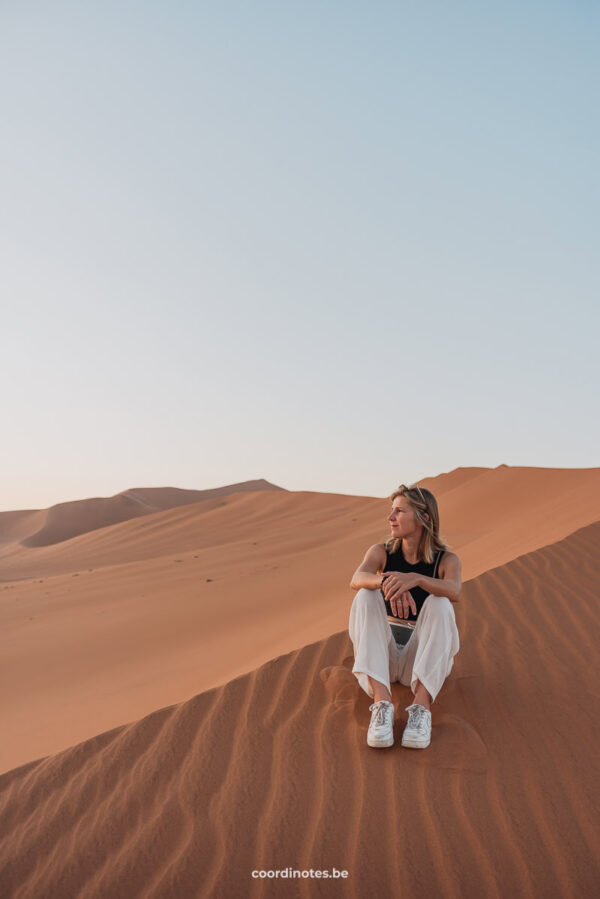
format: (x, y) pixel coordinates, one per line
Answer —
(440, 605)
(366, 595)
(366, 599)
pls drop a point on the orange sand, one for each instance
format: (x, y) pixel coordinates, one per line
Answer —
(260, 760)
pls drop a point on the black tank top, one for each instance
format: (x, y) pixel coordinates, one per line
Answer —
(397, 562)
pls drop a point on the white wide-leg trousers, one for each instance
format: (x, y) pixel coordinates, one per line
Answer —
(428, 656)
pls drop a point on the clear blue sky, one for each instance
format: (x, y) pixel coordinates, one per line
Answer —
(335, 245)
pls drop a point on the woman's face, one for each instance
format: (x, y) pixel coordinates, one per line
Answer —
(402, 518)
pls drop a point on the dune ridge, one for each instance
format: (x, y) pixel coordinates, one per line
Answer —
(62, 521)
(491, 515)
(272, 770)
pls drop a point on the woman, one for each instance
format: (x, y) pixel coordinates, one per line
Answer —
(412, 576)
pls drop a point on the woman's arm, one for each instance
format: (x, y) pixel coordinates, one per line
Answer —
(366, 575)
(450, 584)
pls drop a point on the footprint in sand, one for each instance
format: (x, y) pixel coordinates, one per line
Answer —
(340, 685)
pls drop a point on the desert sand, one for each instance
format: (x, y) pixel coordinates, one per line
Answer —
(179, 705)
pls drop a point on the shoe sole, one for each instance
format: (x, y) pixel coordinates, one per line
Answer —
(380, 744)
(414, 744)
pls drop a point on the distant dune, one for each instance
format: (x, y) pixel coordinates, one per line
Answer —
(107, 626)
(272, 769)
(65, 520)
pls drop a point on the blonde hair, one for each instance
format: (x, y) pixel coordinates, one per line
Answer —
(423, 502)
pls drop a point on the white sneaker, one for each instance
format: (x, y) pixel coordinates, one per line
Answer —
(381, 728)
(417, 733)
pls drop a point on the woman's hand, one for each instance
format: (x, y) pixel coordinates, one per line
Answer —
(402, 605)
(395, 589)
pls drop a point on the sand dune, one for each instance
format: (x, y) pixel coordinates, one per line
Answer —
(490, 515)
(272, 770)
(497, 514)
(44, 527)
(107, 626)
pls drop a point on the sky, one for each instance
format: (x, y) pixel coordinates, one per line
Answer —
(339, 246)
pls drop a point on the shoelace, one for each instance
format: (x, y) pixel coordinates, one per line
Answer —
(381, 710)
(417, 717)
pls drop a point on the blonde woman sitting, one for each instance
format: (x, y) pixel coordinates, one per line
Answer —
(412, 577)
